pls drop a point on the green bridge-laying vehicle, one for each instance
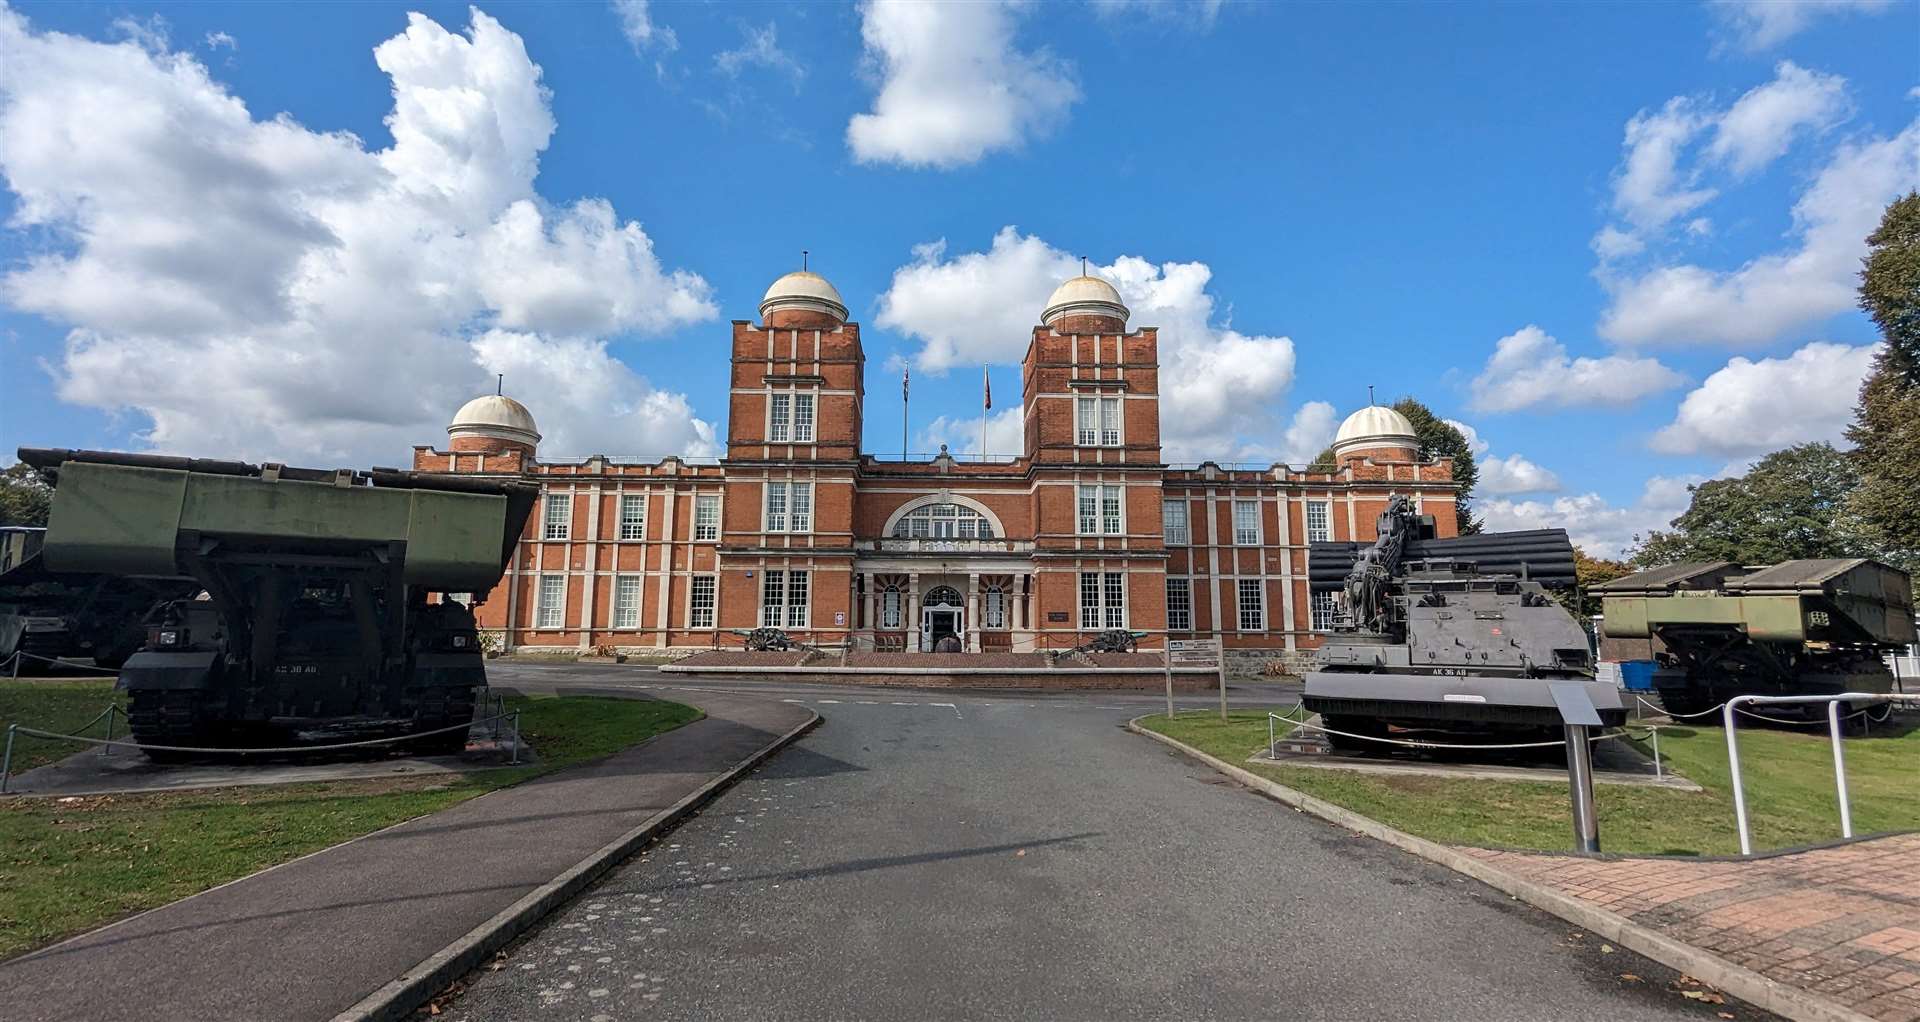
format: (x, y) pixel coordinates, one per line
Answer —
(314, 622)
(1715, 629)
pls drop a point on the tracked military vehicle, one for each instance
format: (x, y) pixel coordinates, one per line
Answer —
(318, 620)
(1457, 635)
(1716, 629)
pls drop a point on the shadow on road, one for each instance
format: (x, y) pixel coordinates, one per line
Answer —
(858, 865)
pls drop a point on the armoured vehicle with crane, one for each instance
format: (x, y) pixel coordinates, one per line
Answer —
(1460, 635)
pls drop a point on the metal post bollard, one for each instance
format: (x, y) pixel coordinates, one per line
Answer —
(1839, 768)
(1270, 754)
(1657, 775)
(1586, 820)
(516, 739)
(6, 759)
(107, 750)
(16, 664)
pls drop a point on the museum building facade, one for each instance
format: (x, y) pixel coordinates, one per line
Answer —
(1086, 529)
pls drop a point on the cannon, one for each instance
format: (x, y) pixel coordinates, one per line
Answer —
(327, 601)
(1460, 635)
(1715, 629)
(1112, 640)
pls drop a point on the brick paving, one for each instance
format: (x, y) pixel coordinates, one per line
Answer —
(1841, 922)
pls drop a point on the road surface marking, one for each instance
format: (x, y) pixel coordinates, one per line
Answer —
(950, 706)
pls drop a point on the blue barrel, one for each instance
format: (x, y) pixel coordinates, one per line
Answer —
(1637, 675)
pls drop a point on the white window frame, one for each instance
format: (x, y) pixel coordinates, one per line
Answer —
(549, 612)
(628, 591)
(1103, 600)
(893, 604)
(779, 418)
(785, 596)
(697, 615)
(1098, 421)
(706, 506)
(993, 608)
(790, 417)
(1174, 524)
(787, 507)
(803, 418)
(633, 526)
(556, 517)
(1184, 622)
(1322, 531)
(1258, 588)
(1322, 606)
(1243, 536)
(1100, 509)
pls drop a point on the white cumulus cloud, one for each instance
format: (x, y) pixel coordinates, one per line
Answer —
(257, 288)
(1751, 407)
(1776, 293)
(1529, 367)
(1757, 25)
(1593, 523)
(1309, 432)
(1760, 125)
(1514, 474)
(1218, 385)
(1005, 434)
(952, 85)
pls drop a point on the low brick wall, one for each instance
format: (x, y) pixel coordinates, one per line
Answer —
(948, 670)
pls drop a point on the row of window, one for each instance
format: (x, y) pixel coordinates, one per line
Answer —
(1250, 608)
(557, 519)
(789, 508)
(1246, 521)
(784, 602)
(550, 601)
(993, 599)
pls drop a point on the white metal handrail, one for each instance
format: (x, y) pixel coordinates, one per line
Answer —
(1833, 730)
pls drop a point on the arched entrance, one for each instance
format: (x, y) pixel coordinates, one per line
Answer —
(943, 612)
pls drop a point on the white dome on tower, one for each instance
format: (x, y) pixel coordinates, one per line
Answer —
(1375, 426)
(497, 416)
(806, 291)
(1084, 296)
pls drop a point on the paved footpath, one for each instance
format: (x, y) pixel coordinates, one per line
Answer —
(1842, 922)
(967, 856)
(313, 937)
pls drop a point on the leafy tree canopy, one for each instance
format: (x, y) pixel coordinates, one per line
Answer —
(1440, 440)
(1890, 286)
(1790, 504)
(24, 498)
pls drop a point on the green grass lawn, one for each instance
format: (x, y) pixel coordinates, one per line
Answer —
(1789, 783)
(69, 865)
(61, 705)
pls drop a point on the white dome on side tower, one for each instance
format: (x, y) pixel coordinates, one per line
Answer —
(496, 416)
(803, 291)
(1374, 426)
(1084, 296)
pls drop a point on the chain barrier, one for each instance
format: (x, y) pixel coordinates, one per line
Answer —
(6, 759)
(1416, 744)
(13, 663)
(1743, 711)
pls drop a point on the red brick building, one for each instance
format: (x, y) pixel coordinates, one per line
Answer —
(1088, 528)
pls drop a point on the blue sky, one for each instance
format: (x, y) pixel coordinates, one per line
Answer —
(1309, 199)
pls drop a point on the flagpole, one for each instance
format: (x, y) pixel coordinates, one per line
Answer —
(904, 373)
(986, 404)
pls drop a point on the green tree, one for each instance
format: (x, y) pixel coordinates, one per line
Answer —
(25, 499)
(1590, 571)
(1886, 425)
(1790, 504)
(1440, 440)
(1890, 285)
